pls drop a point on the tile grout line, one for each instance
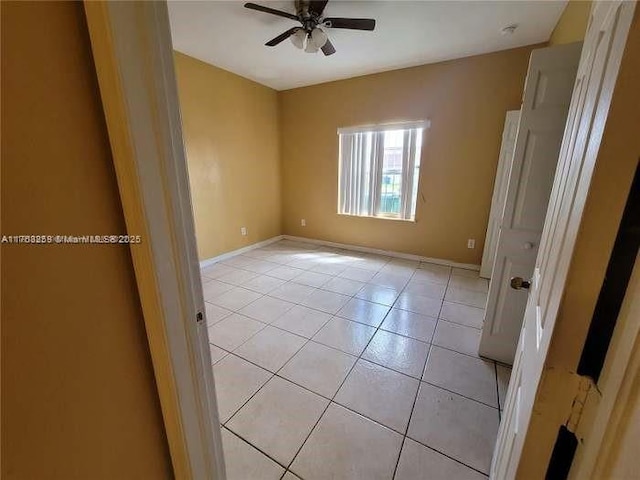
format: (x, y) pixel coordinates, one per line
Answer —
(275, 374)
(357, 358)
(360, 358)
(415, 398)
(460, 395)
(336, 314)
(320, 287)
(302, 305)
(390, 307)
(253, 446)
(259, 366)
(351, 297)
(266, 273)
(292, 280)
(448, 456)
(334, 395)
(315, 393)
(322, 311)
(437, 386)
(430, 317)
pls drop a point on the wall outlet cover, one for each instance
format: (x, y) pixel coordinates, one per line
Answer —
(471, 243)
(243, 231)
(303, 222)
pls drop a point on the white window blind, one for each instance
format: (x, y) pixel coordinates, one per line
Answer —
(379, 170)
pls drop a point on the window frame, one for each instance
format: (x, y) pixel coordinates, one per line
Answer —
(408, 149)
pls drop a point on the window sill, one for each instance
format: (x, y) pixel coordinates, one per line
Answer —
(393, 219)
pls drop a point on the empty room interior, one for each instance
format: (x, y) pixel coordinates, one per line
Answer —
(320, 239)
(345, 200)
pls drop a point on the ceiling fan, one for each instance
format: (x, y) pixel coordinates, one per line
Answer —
(310, 36)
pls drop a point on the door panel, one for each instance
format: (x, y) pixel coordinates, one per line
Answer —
(545, 105)
(600, 59)
(499, 191)
(551, 87)
(536, 177)
(510, 301)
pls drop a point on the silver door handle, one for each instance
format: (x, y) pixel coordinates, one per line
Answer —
(518, 283)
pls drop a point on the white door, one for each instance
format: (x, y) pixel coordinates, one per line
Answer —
(499, 191)
(599, 63)
(545, 103)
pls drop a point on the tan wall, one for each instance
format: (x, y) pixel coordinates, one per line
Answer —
(616, 163)
(231, 138)
(466, 101)
(572, 24)
(78, 394)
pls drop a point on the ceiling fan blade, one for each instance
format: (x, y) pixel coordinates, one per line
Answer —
(260, 8)
(317, 6)
(328, 48)
(283, 36)
(352, 23)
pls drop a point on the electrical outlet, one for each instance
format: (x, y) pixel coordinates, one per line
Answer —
(303, 222)
(471, 243)
(243, 231)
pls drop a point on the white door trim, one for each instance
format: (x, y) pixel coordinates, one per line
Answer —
(133, 55)
(604, 418)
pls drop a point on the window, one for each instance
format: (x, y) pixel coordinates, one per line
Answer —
(379, 170)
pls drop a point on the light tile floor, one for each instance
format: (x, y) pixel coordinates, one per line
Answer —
(338, 364)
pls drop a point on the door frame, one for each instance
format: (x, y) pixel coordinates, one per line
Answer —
(133, 56)
(603, 418)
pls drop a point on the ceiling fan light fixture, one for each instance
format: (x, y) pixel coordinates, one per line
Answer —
(298, 38)
(311, 45)
(318, 37)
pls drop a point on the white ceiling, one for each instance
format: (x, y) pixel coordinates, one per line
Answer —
(408, 33)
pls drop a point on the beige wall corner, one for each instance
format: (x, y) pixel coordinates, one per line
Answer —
(79, 395)
(572, 24)
(230, 127)
(466, 101)
(616, 163)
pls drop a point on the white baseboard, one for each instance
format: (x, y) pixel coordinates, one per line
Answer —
(239, 251)
(388, 253)
(345, 246)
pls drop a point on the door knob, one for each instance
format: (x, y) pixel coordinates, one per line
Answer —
(518, 283)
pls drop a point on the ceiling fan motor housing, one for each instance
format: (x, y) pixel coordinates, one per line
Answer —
(308, 18)
(303, 11)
